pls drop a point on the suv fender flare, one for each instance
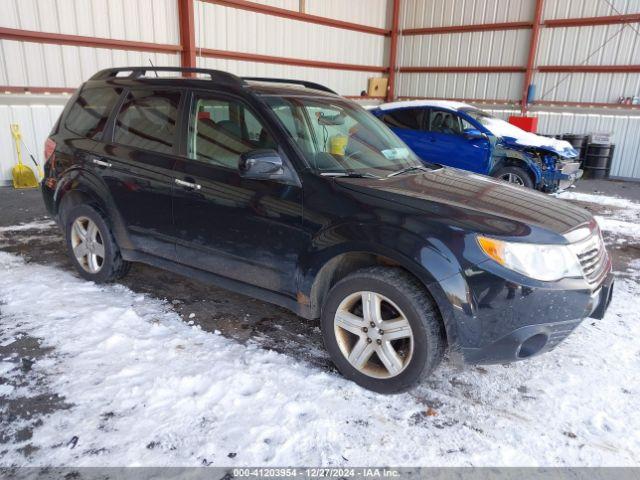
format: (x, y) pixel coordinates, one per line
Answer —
(81, 181)
(437, 271)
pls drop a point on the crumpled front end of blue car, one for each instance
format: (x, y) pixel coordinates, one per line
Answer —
(558, 173)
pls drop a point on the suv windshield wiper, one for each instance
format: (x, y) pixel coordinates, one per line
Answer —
(349, 174)
(407, 170)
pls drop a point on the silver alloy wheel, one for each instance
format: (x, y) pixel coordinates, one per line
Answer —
(86, 241)
(512, 178)
(373, 334)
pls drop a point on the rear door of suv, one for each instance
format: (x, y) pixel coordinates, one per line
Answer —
(243, 229)
(136, 158)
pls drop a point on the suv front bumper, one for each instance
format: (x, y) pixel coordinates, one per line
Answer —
(494, 315)
(531, 340)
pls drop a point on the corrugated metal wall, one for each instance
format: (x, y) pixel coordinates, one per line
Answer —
(590, 45)
(495, 48)
(35, 117)
(623, 128)
(156, 21)
(34, 64)
(593, 45)
(347, 83)
(137, 20)
(217, 27)
(226, 28)
(431, 13)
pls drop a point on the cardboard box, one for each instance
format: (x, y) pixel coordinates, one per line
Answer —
(377, 86)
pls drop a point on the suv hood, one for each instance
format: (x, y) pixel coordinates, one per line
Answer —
(515, 137)
(478, 204)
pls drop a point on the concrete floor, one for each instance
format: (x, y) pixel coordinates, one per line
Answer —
(614, 188)
(19, 206)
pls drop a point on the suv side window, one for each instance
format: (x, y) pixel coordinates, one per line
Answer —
(445, 122)
(409, 118)
(147, 120)
(89, 114)
(220, 130)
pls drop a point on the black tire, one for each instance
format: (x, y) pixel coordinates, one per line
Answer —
(519, 172)
(418, 307)
(113, 265)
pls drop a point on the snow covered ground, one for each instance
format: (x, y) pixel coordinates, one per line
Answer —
(133, 383)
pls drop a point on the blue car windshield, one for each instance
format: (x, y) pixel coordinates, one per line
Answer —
(479, 116)
(339, 137)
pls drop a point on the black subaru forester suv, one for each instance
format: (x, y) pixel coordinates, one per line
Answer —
(287, 192)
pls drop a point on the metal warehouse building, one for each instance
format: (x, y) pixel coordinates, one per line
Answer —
(581, 56)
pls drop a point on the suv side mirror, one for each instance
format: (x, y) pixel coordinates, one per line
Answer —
(261, 164)
(473, 134)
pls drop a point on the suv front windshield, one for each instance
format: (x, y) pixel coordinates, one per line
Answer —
(338, 137)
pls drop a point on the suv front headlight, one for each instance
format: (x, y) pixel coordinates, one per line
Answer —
(540, 261)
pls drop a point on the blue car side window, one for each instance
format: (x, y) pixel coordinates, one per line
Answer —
(406, 118)
(445, 122)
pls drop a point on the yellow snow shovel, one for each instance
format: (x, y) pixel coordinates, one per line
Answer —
(23, 176)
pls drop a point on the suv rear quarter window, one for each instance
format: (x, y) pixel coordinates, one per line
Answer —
(148, 120)
(89, 114)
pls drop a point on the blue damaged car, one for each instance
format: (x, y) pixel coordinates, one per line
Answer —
(462, 136)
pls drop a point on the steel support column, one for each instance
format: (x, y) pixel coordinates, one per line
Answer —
(187, 33)
(533, 50)
(393, 51)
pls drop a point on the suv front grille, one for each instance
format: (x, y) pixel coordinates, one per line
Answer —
(593, 258)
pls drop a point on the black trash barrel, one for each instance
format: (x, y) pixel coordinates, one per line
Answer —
(597, 160)
(578, 142)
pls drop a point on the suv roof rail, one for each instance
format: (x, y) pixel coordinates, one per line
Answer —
(304, 83)
(137, 72)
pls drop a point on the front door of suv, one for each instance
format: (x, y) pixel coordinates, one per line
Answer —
(136, 162)
(242, 229)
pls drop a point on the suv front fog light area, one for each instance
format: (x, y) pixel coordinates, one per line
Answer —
(539, 261)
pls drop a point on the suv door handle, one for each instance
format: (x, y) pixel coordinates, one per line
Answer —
(186, 184)
(100, 163)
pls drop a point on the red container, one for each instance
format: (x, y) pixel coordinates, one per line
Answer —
(529, 124)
